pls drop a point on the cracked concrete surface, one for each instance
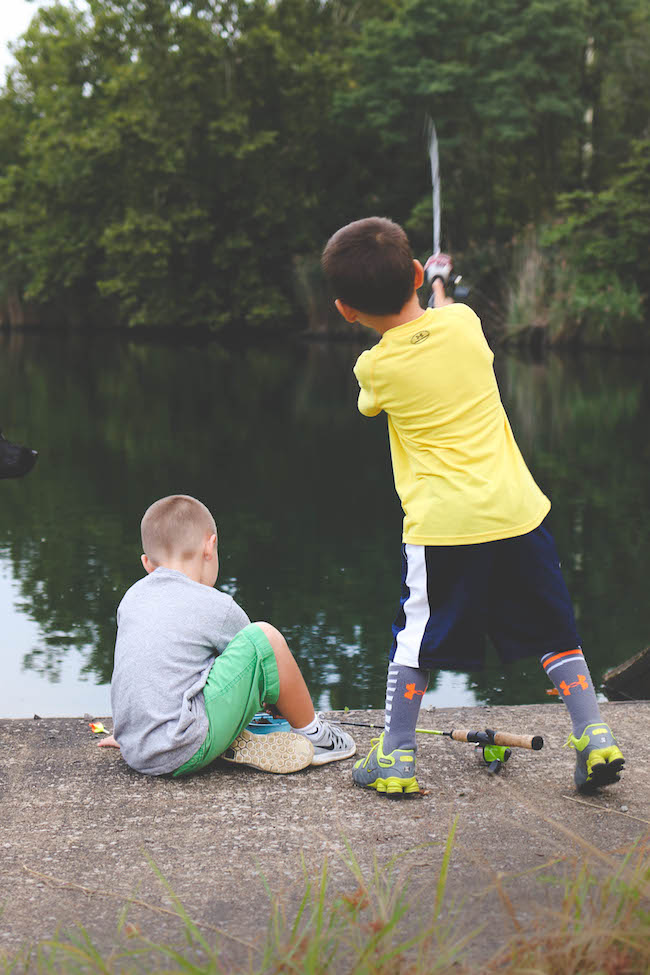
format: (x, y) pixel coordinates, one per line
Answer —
(79, 830)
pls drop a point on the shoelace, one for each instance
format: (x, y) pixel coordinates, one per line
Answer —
(334, 736)
(375, 744)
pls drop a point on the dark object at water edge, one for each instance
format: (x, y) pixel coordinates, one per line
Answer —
(15, 460)
(630, 681)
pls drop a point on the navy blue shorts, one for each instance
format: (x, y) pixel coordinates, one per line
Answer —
(453, 596)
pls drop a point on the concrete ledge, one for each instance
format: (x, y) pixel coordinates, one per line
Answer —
(77, 827)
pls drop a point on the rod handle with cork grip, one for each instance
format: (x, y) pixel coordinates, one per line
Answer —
(488, 737)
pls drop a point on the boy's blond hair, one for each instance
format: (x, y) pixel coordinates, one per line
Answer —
(175, 528)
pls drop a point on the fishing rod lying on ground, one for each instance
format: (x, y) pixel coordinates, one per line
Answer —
(495, 745)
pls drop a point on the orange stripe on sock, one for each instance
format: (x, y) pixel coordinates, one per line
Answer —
(558, 656)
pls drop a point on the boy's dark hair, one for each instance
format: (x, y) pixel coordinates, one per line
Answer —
(369, 266)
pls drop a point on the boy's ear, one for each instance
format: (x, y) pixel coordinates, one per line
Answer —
(147, 564)
(210, 546)
(348, 312)
(418, 276)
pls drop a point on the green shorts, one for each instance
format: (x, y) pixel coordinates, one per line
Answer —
(240, 681)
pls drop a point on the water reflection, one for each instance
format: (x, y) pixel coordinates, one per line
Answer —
(301, 489)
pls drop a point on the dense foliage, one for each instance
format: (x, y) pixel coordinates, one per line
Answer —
(170, 161)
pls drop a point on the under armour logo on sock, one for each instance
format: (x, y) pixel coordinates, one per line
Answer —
(411, 691)
(581, 682)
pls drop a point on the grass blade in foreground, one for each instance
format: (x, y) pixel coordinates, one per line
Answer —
(602, 928)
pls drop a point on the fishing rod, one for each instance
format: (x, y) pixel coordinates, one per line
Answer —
(434, 159)
(496, 746)
(458, 291)
(487, 737)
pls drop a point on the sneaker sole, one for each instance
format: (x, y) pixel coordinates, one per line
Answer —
(322, 758)
(280, 752)
(393, 788)
(603, 773)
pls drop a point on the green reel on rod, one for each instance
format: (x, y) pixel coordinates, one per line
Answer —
(495, 757)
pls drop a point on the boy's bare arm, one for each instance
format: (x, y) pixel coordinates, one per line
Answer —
(439, 295)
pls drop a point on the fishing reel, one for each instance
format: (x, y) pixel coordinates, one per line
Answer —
(494, 756)
(456, 290)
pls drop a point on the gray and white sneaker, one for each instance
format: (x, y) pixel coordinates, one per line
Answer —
(333, 744)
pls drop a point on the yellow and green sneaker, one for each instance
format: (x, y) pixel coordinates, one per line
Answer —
(599, 760)
(391, 775)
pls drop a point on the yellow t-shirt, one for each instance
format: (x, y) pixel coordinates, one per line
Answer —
(458, 471)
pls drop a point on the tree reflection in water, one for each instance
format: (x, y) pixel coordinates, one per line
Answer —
(301, 489)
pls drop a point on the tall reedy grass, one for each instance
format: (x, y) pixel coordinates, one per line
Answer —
(553, 300)
(601, 928)
(526, 298)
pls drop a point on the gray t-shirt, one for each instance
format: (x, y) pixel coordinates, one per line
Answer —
(169, 631)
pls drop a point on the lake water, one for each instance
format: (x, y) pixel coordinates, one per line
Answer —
(301, 488)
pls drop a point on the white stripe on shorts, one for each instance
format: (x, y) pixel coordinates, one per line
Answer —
(416, 609)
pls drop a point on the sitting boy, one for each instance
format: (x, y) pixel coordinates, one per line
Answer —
(191, 669)
(477, 558)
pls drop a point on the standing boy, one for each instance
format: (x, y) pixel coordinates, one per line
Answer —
(476, 557)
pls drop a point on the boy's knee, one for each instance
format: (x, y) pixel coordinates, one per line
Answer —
(272, 634)
(278, 643)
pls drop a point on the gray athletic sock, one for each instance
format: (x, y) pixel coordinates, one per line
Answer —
(405, 687)
(569, 672)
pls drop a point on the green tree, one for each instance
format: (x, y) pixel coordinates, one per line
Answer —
(172, 159)
(609, 27)
(600, 268)
(503, 83)
(165, 162)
